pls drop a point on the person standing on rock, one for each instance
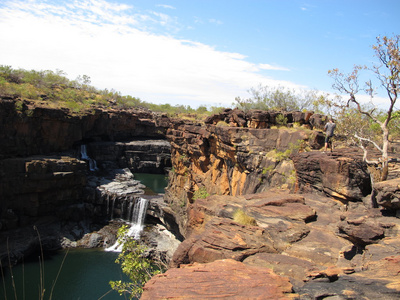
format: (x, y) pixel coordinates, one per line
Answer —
(329, 130)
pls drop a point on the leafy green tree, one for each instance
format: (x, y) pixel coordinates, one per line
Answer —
(388, 79)
(135, 265)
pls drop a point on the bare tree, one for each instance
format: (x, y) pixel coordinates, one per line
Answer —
(387, 75)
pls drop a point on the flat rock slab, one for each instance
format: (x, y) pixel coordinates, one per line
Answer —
(222, 279)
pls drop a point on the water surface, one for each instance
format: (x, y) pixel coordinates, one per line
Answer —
(85, 274)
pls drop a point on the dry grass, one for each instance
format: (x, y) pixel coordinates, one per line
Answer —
(242, 218)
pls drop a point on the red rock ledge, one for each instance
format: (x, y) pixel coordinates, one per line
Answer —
(222, 279)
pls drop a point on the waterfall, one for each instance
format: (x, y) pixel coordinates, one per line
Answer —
(137, 221)
(92, 162)
(84, 153)
(138, 216)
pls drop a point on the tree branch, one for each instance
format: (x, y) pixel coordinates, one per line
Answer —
(369, 141)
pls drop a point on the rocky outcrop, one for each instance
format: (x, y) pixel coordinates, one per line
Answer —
(234, 159)
(307, 235)
(265, 119)
(223, 279)
(325, 248)
(340, 174)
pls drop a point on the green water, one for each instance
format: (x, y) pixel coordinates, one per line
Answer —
(155, 183)
(85, 274)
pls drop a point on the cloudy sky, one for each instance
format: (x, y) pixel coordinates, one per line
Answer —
(194, 52)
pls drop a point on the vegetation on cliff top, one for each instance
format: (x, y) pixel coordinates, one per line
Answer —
(54, 89)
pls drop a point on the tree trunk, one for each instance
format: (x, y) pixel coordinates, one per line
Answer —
(385, 158)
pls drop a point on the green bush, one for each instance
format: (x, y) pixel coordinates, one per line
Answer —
(135, 265)
(201, 193)
(242, 218)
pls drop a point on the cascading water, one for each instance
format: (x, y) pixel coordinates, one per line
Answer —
(138, 215)
(84, 156)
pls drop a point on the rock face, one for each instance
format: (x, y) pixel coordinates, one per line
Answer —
(39, 130)
(282, 221)
(387, 194)
(47, 181)
(341, 174)
(249, 155)
(140, 155)
(39, 186)
(223, 279)
(325, 248)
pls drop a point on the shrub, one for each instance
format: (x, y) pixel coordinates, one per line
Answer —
(242, 218)
(281, 119)
(201, 193)
(138, 268)
(222, 124)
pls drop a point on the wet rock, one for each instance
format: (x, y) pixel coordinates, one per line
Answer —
(224, 279)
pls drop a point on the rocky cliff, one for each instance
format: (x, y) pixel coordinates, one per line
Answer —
(67, 174)
(262, 211)
(31, 129)
(307, 216)
(235, 153)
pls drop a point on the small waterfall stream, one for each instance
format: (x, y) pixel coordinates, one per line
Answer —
(136, 220)
(85, 156)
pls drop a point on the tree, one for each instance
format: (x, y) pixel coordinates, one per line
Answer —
(277, 98)
(387, 74)
(135, 265)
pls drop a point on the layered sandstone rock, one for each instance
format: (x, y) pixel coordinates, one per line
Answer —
(341, 174)
(222, 279)
(41, 130)
(234, 159)
(323, 246)
(39, 186)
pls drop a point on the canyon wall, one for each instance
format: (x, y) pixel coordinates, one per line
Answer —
(32, 129)
(49, 183)
(237, 153)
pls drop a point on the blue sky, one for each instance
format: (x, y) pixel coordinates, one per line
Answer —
(195, 52)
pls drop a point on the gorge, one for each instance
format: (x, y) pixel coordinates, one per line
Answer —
(319, 228)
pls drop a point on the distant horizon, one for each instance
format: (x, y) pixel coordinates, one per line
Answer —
(196, 53)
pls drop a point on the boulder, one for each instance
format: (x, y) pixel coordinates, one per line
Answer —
(387, 194)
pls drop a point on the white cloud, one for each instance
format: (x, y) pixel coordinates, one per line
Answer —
(110, 44)
(271, 67)
(166, 6)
